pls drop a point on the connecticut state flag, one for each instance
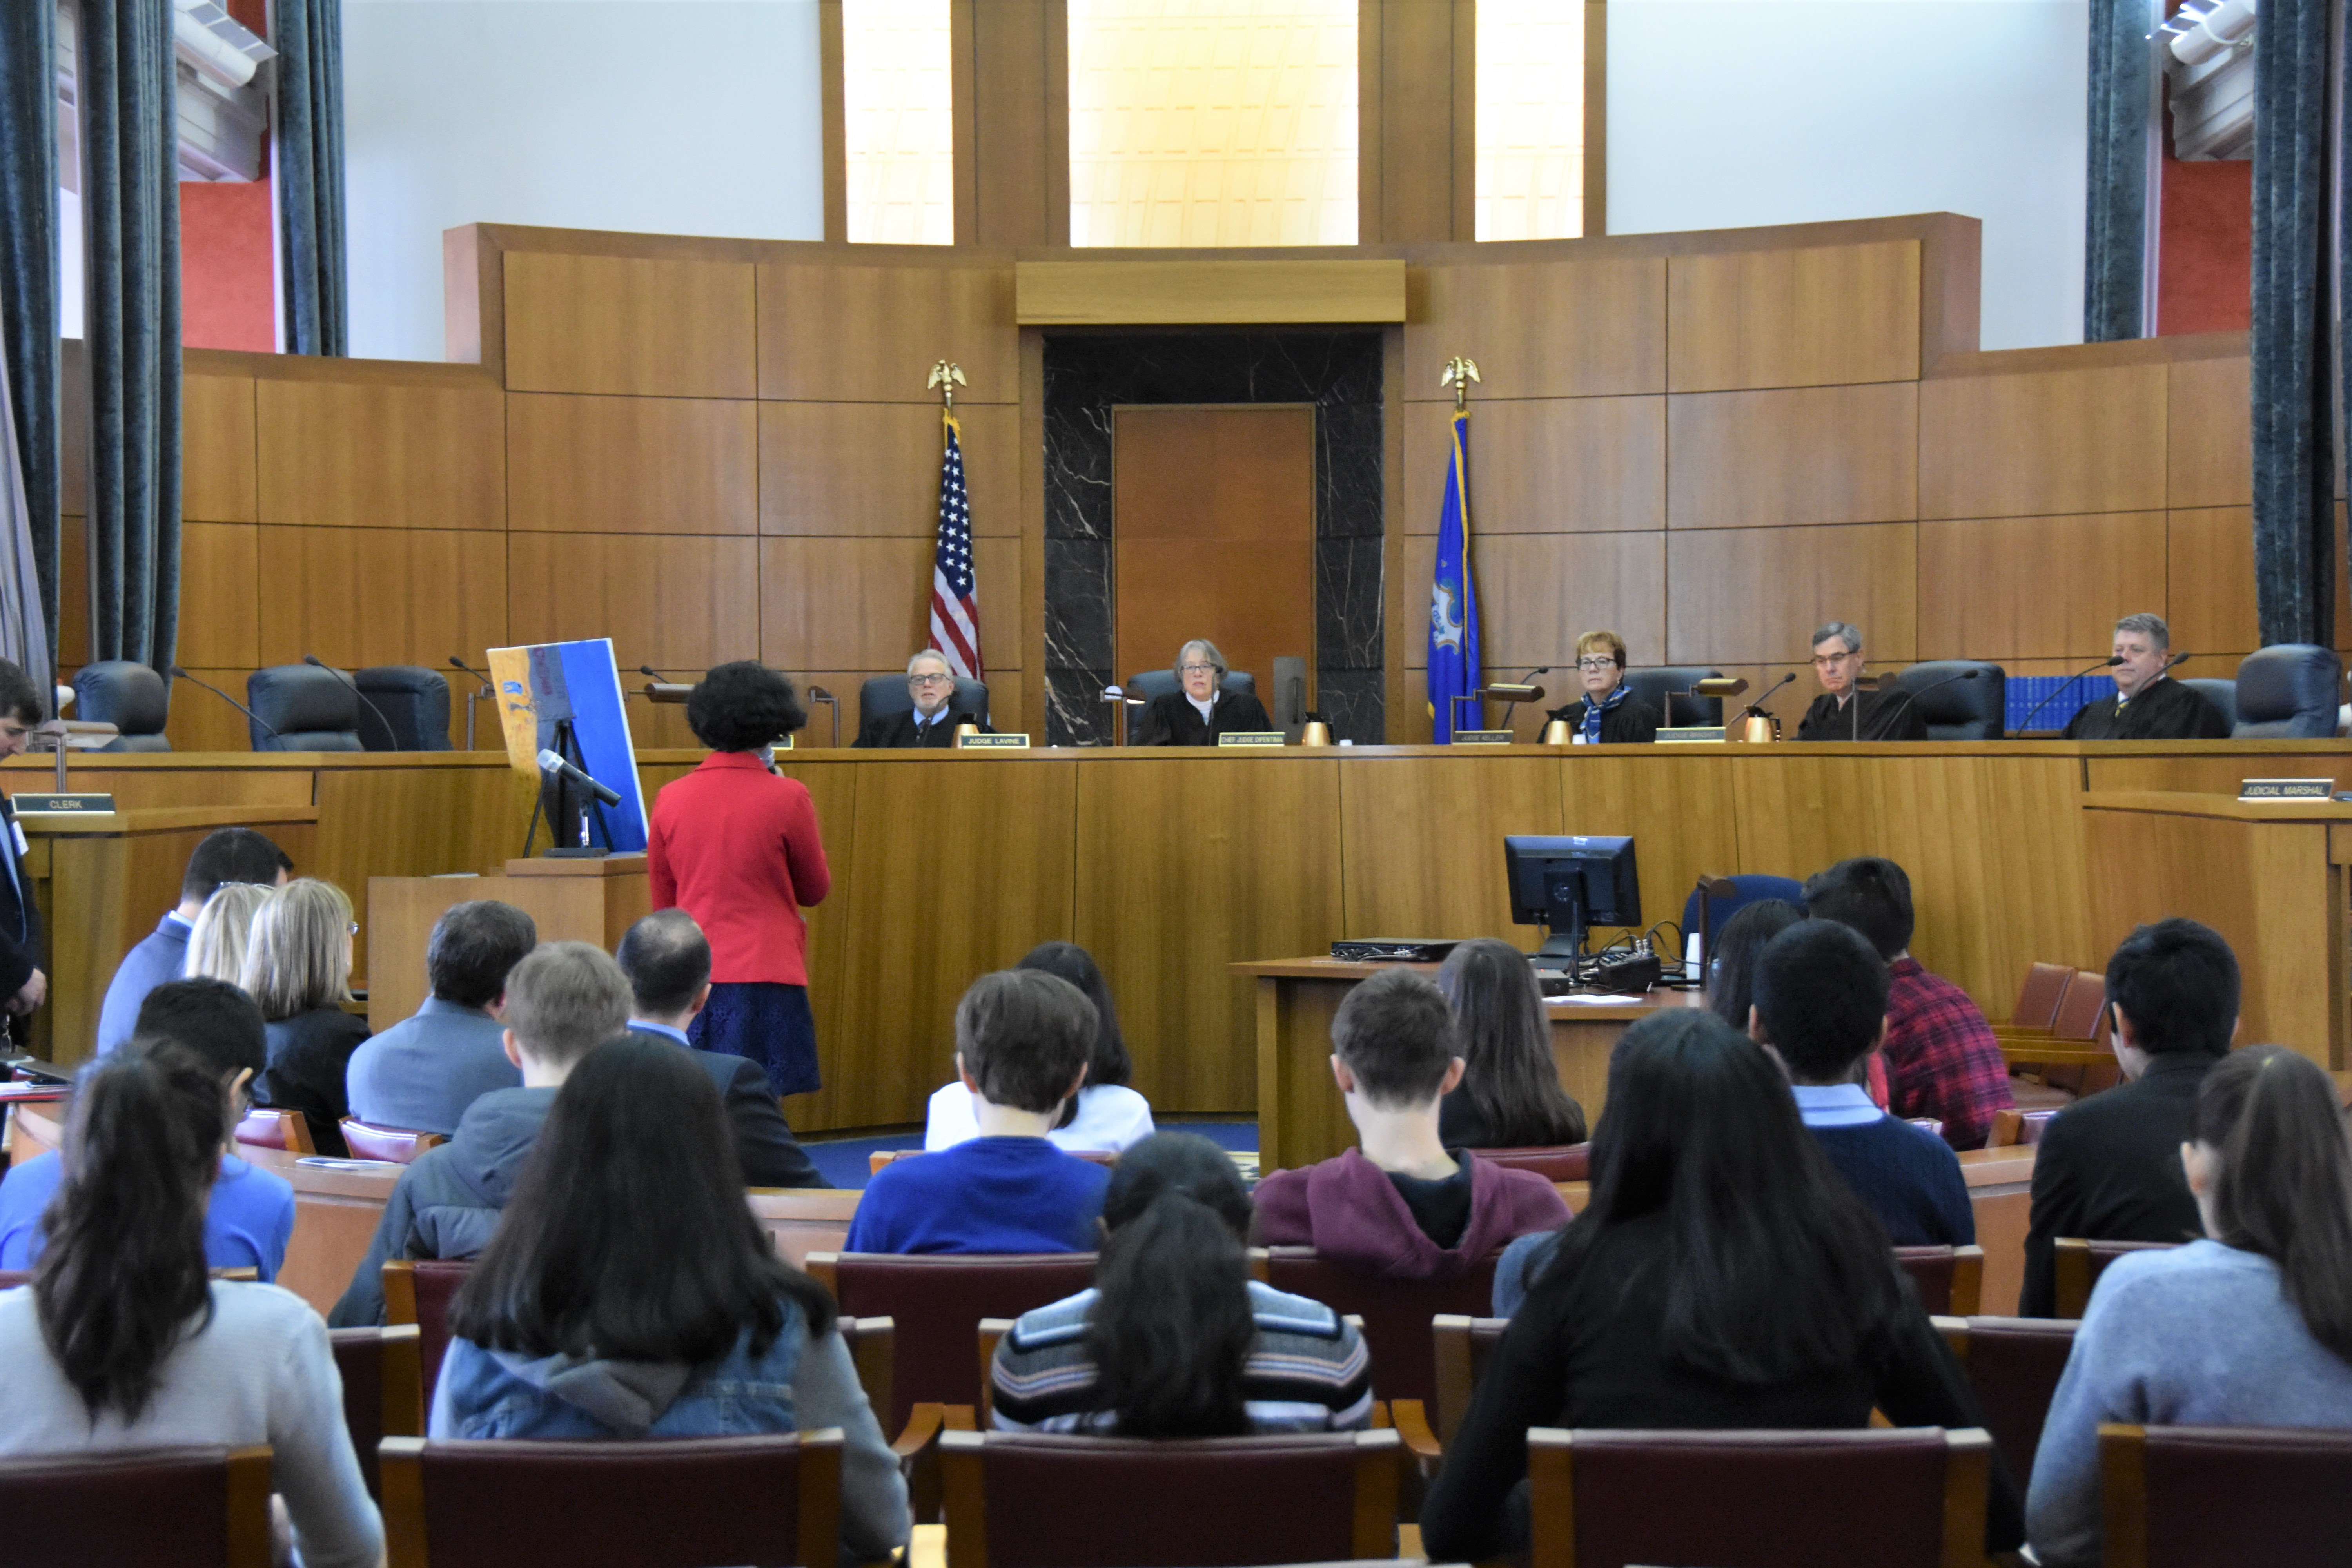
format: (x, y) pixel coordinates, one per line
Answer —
(1453, 601)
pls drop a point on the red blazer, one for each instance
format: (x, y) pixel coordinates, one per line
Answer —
(737, 847)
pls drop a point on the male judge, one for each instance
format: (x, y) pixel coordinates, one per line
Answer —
(2149, 705)
(1843, 712)
(932, 721)
(1203, 710)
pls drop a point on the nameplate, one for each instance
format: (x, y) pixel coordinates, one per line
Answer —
(82, 804)
(993, 743)
(1689, 734)
(2256, 789)
(1483, 737)
(1252, 738)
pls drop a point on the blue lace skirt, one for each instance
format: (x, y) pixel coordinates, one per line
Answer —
(770, 1023)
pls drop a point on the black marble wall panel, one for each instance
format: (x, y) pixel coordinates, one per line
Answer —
(1086, 374)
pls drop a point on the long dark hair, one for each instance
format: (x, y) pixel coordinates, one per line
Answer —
(1509, 1075)
(1773, 1267)
(1731, 967)
(1173, 1328)
(2285, 1183)
(627, 1233)
(121, 1278)
(1108, 1062)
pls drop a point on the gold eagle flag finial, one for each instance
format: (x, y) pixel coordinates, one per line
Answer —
(1459, 372)
(947, 376)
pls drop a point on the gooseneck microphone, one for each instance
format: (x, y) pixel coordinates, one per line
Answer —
(1757, 707)
(179, 674)
(2027, 722)
(389, 732)
(550, 762)
(457, 663)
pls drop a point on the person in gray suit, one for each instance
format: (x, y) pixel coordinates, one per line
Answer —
(425, 1070)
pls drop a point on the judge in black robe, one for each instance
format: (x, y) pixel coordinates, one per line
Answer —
(1625, 719)
(910, 728)
(2164, 710)
(1200, 709)
(1891, 715)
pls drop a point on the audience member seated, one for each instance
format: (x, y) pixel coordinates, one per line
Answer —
(1509, 1096)
(1400, 1203)
(1106, 1114)
(425, 1070)
(298, 965)
(1942, 1060)
(2251, 1328)
(1821, 1003)
(121, 1342)
(223, 932)
(1723, 1276)
(1731, 973)
(596, 1314)
(1176, 1340)
(668, 961)
(562, 1000)
(249, 1212)
(228, 855)
(2108, 1167)
(1023, 1037)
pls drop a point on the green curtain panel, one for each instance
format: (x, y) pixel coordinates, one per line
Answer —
(131, 202)
(28, 285)
(2114, 195)
(2293, 326)
(309, 149)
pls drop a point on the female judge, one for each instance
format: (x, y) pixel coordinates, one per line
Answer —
(1203, 710)
(1608, 714)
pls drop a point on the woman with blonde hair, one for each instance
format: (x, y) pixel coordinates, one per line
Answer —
(222, 931)
(298, 966)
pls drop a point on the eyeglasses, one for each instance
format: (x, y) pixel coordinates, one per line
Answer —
(931, 680)
(1197, 668)
(1596, 664)
(1823, 660)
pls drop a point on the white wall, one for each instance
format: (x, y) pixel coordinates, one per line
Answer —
(648, 116)
(1729, 113)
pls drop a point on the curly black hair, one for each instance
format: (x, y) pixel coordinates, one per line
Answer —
(743, 706)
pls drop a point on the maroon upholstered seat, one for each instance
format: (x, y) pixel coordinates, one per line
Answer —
(768, 1499)
(2014, 1365)
(383, 1389)
(1022, 1500)
(1902, 1497)
(156, 1508)
(2226, 1497)
(1395, 1312)
(266, 1128)
(419, 1290)
(401, 1145)
(2076, 1265)
(2038, 998)
(1950, 1279)
(1561, 1162)
(1461, 1346)
(2024, 1125)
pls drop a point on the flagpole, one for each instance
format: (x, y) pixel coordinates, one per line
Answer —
(1454, 598)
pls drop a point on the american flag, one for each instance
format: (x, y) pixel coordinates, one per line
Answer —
(955, 601)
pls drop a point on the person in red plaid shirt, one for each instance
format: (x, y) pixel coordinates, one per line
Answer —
(1941, 1057)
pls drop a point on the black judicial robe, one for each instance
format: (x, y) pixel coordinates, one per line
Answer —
(1172, 720)
(900, 730)
(2165, 711)
(20, 917)
(1631, 722)
(1885, 716)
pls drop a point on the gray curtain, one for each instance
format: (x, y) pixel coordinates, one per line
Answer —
(24, 629)
(310, 150)
(2114, 234)
(28, 290)
(131, 312)
(2294, 331)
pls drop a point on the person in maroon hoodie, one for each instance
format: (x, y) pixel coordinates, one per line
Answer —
(1402, 1203)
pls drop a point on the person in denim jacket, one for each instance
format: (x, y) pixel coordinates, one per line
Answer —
(629, 1294)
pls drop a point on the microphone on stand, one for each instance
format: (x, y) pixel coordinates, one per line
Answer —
(179, 674)
(390, 733)
(489, 689)
(550, 762)
(1757, 707)
(1539, 669)
(2027, 722)
(2179, 658)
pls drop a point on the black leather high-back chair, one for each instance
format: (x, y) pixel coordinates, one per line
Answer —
(1958, 709)
(2222, 694)
(2288, 692)
(886, 694)
(131, 696)
(311, 709)
(1651, 686)
(1154, 683)
(415, 702)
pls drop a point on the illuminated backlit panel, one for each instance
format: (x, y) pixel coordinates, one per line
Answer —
(1212, 122)
(898, 122)
(1530, 120)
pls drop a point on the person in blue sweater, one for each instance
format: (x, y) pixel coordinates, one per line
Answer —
(1821, 1003)
(1023, 1037)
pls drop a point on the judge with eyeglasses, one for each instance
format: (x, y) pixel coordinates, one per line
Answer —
(1609, 714)
(932, 720)
(1201, 709)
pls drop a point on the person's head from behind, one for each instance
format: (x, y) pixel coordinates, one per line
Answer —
(1820, 1001)
(473, 946)
(2173, 988)
(2267, 1159)
(231, 854)
(1023, 1039)
(668, 961)
(1731, 967)
(1773, 1266)
(122, 1276)
(1870, 894)
(21, 708)
(1393, 1045)
(743, 706)
(563, 1000)
(1505, 1040)
(297, 954)
(218, 1021)
(1173, 1328)
(222, 933)
(1109, 1062)
(627, 1235)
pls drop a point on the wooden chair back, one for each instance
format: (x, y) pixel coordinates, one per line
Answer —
(2076, 1265)
(2011, 1128)
(508, 1504)
(419, 1290)
(2077, 1017)
(1559, 1162)
(2038, 998)
(881, 1157)
(872, 1344)
(1396, 1313)
(35, 1131)
(384, 1390)
(157, 1508)
(266, 1128)
(1021, 1499)
(1950, 1279)
(2173, 1497)
(1762, 1499)
(2014, 1365)
(1461, 1346)
(401, 1145)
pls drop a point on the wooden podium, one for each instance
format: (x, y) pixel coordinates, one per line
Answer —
(571, 901)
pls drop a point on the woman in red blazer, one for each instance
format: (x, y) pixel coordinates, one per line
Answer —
(735, 844)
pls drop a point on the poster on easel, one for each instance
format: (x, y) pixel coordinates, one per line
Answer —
(565, 696)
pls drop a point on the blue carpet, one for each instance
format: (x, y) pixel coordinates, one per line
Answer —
(844, 1160)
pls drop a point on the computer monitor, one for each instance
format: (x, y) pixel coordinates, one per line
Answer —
(1567, 884)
